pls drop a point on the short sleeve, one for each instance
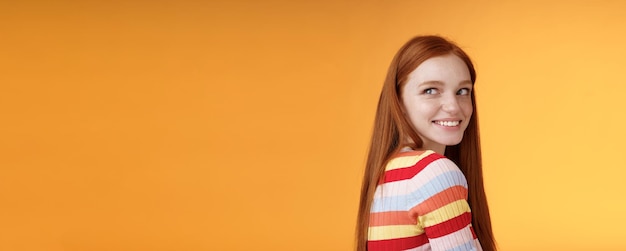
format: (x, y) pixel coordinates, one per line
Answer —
(441, 207)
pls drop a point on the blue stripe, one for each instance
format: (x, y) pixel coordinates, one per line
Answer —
(465, 246)
(440, 183)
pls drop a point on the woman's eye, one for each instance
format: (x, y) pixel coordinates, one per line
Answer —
(464, 91)
(430, 91)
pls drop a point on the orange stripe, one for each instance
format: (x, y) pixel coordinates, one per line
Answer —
(439, 200)
(391, 218)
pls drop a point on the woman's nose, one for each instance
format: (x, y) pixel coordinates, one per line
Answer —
(450, 104)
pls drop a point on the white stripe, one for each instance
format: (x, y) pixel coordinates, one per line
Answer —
(454, 240)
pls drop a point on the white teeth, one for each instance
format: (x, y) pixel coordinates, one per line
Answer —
(448, 123)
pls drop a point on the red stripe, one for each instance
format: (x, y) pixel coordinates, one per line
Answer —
(473, 233)
(449, 226)
(409, 172)
(397, 244)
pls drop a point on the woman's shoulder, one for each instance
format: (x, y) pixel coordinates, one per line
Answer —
(413, 164)
(412, 158)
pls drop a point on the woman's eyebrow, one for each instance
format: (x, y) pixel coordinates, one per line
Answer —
(437, 82)
(466, 82)
(431, 82)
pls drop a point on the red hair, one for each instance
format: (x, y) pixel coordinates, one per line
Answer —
(392, 131)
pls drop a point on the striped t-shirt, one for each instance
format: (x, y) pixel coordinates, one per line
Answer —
(421, 204)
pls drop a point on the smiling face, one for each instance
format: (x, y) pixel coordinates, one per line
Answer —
(437, 100)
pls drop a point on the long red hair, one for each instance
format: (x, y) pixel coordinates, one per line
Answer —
(392, 131)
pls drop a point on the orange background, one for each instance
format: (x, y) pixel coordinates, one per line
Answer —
(243, 125)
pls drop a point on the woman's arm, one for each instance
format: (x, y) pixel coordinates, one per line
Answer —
(441, 206)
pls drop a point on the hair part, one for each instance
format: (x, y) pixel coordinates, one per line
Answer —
(392, 131)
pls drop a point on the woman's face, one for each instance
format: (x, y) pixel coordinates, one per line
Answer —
(437, 100)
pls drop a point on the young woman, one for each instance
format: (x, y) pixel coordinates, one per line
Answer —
(423, 172)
